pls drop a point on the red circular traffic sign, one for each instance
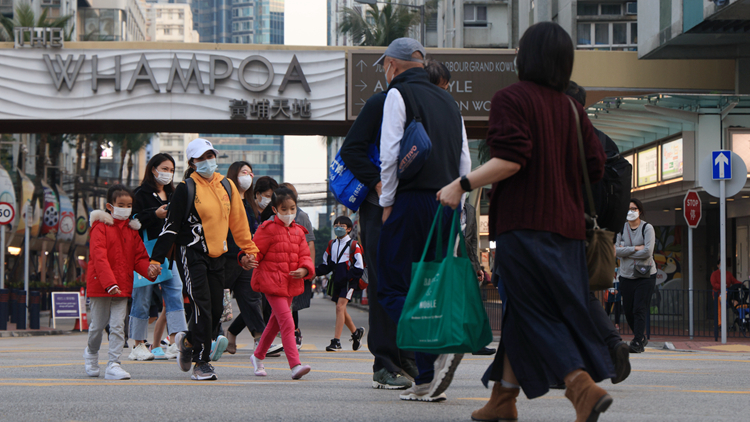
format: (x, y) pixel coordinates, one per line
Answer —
(7, 213)
(692, 208)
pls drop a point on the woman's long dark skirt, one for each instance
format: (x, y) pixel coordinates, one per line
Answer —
(547, 331)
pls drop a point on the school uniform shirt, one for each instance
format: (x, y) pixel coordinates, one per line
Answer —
(336, 259)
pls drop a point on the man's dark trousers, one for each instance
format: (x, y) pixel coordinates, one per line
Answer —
(381, 338)
(402, 241)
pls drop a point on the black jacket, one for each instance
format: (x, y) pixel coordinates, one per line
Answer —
(442, 122)
(364, 132)
(146, 203)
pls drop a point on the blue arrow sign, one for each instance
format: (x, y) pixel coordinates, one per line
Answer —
(721, 162)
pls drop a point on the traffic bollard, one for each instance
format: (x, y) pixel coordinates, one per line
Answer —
(34, 307)
(20, 309)
(4, 298)
(12, 306)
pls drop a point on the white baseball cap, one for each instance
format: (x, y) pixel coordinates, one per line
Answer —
(198, 146)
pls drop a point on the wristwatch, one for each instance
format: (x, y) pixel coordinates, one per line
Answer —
(465, 184)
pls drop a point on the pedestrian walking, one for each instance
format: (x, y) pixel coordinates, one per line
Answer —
(343, 258)
(409, 205)
(237, 278)
(537, 221)
(283, 263)
(115, 251)
(150, 208)
(203, 209)
(635, 248)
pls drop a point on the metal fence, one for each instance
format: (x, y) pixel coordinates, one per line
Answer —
(670, 314)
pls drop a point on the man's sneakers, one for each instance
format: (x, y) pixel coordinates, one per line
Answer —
(445, 367)
(334, 346)
(115, 372)
(218, 347)
(621, 358)
(484, 351)
(275, 350)
(300, 371)
(258, 368)
(141, 353)
(357, 338)
(185, 356)
(383, 379)
(159, 354)
(421, 393)
(91, 363)
(203, 371)
(171, 351)
(298, 338)
(636, 347)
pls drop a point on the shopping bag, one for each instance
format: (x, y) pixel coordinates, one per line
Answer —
(345, 187)
(443, 312)
(166, 273)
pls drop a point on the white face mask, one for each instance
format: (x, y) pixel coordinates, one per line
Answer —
(632, 215)
(264, 201)
(287, 219)
(164, 178)
(121, 213)
(245, 181)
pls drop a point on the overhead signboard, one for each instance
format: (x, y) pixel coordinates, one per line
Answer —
(475, 77)
(647, 170)
(141, 84)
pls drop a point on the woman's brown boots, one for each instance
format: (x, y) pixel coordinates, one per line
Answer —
(501, 407)
(588, 398)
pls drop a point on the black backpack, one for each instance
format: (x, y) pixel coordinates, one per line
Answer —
(190, 185)
(612, 193)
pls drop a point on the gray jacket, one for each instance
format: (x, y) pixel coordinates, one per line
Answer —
(627, 240)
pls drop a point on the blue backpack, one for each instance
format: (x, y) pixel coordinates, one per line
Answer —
(345, 187)
(415, 144)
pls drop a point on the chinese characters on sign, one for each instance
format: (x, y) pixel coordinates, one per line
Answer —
(269, 109)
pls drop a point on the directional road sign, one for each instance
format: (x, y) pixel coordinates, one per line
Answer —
(692, 209)
(475, 77)
(722, 165)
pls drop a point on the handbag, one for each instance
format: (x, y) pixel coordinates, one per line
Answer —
(415, 143)
(600, 245)
(443, 311)
(166, 273)
(345, 187)
(640, 270)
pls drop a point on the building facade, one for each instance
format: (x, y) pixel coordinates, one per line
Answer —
(471, 24)
(112, 20)
(168, 22)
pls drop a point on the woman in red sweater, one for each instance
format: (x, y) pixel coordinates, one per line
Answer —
(537, 221)
(283, 263)
(116, 251)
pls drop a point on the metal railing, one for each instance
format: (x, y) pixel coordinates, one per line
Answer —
(669, 314)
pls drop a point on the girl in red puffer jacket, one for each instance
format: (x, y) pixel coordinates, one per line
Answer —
(283, 262)
(116, 250)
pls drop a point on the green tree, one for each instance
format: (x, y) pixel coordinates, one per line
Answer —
(379, 27)
(24, 17)
(129, 144)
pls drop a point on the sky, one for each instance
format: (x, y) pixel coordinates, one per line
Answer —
(305, 158)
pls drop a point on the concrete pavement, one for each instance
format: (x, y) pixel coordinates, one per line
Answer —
(42, 378)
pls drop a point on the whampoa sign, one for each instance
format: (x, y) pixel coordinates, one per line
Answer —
(109, 84)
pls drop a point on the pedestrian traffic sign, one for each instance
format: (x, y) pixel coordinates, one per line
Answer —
(722, 165)
(692, 209)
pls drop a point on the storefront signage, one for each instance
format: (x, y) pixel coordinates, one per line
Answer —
(38, 37)
(475, 77)
(647, 170)
(172, 84)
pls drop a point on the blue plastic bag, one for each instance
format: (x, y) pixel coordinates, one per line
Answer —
(345, 187)
(166, 273)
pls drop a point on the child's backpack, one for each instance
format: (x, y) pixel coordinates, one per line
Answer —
(353, 245)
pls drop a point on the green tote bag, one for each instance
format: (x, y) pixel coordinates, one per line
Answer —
(443, 312)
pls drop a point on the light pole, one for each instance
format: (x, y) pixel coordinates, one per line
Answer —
(420, 7)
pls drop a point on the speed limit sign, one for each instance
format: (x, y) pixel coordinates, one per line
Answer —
(7, 213)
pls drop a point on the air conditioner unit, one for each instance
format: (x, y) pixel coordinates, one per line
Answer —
(631, 8)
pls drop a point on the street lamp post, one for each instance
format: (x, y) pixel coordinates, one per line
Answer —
(421, 13)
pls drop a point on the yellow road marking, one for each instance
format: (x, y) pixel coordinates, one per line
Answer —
(729, 348)
(343, 379)
(309, 347)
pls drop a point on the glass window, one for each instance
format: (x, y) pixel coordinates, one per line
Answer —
(584, 34)
(182, 31)
(246, 39)
(619, 33)
(588, 9)
(167, 31)
(181, 15)
(481, 13)
(158, 13)
(647, 171)
(602, 33)
(634, 33)
(741, 145)
(235, 12)
(611, 9)
(469, 12)
(671, 159)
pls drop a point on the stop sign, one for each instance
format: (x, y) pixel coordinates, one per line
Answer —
(692, 208)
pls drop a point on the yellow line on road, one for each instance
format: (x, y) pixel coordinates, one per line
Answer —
(715, 392)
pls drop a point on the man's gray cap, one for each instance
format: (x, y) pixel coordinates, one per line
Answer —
(402, 49)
